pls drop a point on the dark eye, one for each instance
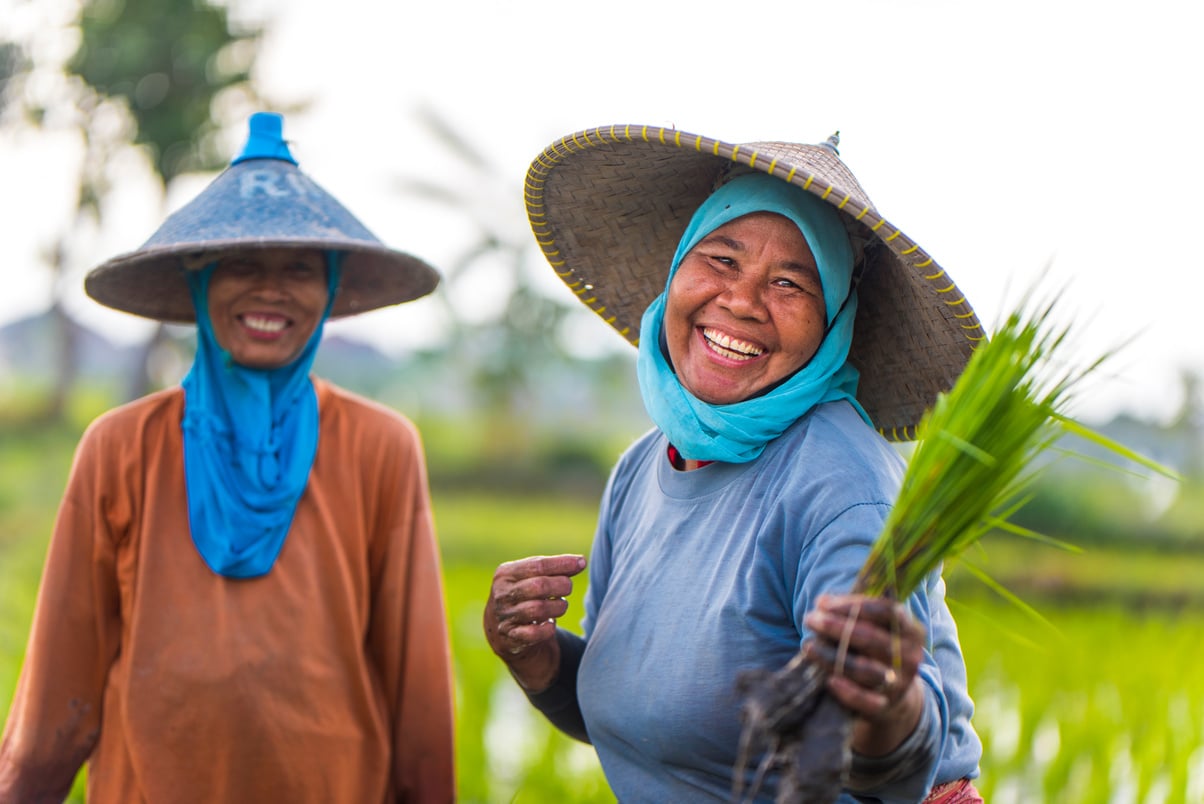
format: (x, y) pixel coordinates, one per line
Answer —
(302, 269)
(806, 281)
(240, 267)
(720, 260)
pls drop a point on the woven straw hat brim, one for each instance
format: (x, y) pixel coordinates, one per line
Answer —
(608, 206)
(257, 204)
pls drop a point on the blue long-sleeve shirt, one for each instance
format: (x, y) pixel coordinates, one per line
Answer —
(697, 576)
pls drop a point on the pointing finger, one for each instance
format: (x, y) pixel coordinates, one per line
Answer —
(536, 566)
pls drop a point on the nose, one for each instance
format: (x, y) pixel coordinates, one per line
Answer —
(743, 298)
(269, 284)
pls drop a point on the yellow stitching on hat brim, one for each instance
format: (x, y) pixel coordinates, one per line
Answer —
(580, 141)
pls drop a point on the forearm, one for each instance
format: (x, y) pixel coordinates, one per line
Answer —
(54, 722)
(558, 700)
(20, 781)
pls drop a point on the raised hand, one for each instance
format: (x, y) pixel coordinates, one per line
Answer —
(525, 599)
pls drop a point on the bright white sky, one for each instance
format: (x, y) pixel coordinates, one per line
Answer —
(1013, 140)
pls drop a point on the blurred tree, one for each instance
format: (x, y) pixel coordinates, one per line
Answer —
(161, 76)
(12, 62)
(166, 63)
(509, 347)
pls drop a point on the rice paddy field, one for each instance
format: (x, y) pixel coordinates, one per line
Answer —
(1103, 701)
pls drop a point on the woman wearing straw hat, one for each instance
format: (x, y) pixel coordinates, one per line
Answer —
(785, 331)
(242, 598)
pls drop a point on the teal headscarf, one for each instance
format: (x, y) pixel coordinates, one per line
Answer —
(738, 432)
(250, 437)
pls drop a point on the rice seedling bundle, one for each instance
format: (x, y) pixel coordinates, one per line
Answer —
(975, 461)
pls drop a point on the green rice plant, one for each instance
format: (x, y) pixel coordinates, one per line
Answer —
(974, 464)
(977, 453)
(1085, 716)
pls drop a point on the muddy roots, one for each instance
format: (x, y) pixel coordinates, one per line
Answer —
(797, 734)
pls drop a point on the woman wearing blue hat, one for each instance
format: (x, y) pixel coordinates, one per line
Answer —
(786, 331)
(242, 598)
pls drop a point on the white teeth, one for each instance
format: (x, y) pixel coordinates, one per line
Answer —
(263, 324)
(730, 347)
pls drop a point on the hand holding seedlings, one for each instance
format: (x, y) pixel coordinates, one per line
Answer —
(871, 649)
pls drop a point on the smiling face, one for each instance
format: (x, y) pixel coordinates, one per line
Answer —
(265, 305)
(745, 309)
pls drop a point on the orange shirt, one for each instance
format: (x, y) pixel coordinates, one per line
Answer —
(326, 680)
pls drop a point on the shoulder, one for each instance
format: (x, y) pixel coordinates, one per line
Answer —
(835, 438)
(634, 471)
(134, 420)
(356, 431)
(830, 464)
(121, 443)
(639, 456)
(652, 442)
(341, 409)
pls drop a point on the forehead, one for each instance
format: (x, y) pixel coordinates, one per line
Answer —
(273, 256)
(767, 234)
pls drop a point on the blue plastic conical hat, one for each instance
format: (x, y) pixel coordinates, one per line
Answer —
(262, 200)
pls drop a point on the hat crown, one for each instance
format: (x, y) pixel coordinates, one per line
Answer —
(265, 139)
(263, 197)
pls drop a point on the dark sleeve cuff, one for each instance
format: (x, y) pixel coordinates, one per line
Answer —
(912, 758)
(558, 703)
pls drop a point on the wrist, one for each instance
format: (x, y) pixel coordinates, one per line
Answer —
(536, 669)
(882, 734)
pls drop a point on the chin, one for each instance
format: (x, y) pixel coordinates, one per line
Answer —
(262, 363)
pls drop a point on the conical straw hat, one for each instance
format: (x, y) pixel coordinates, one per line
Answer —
(608, 206)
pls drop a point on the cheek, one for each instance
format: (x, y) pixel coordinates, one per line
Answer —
(804, 338)
(676, 324)
(316, 297)
(222, 291)
(687, 292)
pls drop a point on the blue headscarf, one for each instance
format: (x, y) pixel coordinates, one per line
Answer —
(738, 432)
(250, 437)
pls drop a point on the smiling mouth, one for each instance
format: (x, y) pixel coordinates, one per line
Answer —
(729, 347)
(268, 325)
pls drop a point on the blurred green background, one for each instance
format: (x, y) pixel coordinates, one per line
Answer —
(1100, 701)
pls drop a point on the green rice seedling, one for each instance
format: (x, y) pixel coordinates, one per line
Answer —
(976, 453)
(971, 470)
